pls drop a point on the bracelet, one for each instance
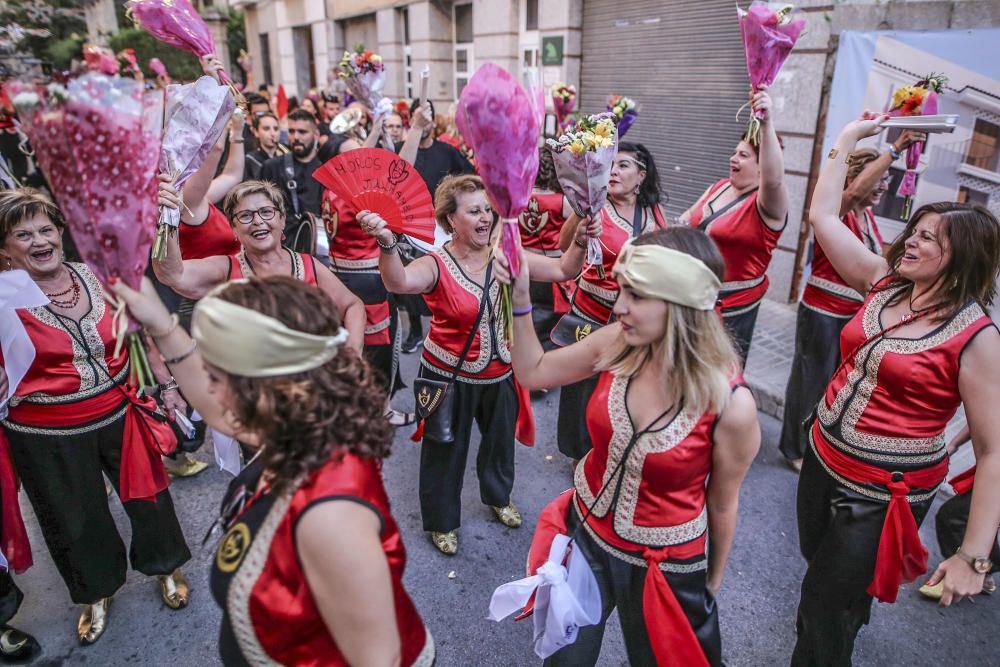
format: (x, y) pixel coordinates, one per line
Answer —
(893, 152)
(390, 247)
(576, 240)
(174, 321)
(171, 385)
(523, 311)
(241, 140)
(182, 357)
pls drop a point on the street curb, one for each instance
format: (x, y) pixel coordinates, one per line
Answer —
(768, 401)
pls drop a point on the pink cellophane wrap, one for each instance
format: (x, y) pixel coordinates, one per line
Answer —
(766, 43)
(562, 108)
(99, 150)
(175, 22)
(367, 87)
(496, 117)
(196, 116)
(536, 93)
(908, 186)
(159, 69)
(100, 59)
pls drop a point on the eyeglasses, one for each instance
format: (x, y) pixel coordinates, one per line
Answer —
(265, 213)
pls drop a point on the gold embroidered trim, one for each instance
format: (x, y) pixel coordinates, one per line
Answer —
(462, 378)
(932, 457)
(740, 285)
(74, 430)
(298, 270)
(835, 288)
(607, 295)
(241, 587)
(368, 265)
(622, 223)
(666, 565)
(41, 398)
(740, 310)
(656, 442)
(827, 313)
(378, 326)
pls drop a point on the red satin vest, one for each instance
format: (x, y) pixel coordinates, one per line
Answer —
(826, 292)
(542, 221)
(746, 244)
(270, 606)
(209, 239)
(303, 267)
(595, 296)
(454, 304)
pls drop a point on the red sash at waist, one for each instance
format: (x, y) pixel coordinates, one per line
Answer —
(143, 441)
(13, 536)
(670, 633)
(963, 481)
(901, 557)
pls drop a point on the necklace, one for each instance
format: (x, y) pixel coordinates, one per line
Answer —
(74, 299)
(463, 262)
(915, 312)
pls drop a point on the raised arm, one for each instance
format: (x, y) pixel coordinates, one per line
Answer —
(420, 121)
(195, 190)
(568, 231)
(773, 196)
(734, 446)
(865, 182)
(980, 390)
(858, 266)
(232, 173)
(350, 308)
(533, 367)
(416, 278)
(371, 141)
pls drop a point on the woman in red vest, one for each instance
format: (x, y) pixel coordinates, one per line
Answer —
(255, 210)
(635, 205)
(310, 569)
(745, 215)
(74, 419)
(670, 407)
(920, 346)
(452, 281)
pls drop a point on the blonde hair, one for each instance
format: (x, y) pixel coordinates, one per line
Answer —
(696, 352)
(22, 204)
(247, 188)
(446, 197)
(858, 160)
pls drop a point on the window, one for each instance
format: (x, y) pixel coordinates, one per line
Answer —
(891, 205)
(464, 61)
(265, 57)
(305, 58)
(404, 19)
(531, 14)
(970, 196)
(983, 150)
(463, 24)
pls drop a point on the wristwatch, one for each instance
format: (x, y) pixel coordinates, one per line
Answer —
(979, 565)
(893, 152)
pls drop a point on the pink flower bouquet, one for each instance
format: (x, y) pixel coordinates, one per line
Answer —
(195, 117)
(97, 140)
(919, 99)
(563, 100)
(769, 33)
(583, 155)
(496, 117)
(363, 73)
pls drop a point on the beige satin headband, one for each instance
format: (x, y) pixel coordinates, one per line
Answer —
(671, 275)
(246, 343)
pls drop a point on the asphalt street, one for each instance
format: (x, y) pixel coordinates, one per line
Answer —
(757, 602)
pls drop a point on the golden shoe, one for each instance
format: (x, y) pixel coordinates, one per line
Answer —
(933, 592)
(446, 543)
(509, 516)
(183, 466)
(174, 589)
(93, 621)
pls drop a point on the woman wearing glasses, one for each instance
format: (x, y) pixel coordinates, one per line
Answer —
(255, 210)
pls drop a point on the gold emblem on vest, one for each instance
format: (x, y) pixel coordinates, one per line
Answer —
(582, 332)
(531, 220)
(233, 547)
(424, 397)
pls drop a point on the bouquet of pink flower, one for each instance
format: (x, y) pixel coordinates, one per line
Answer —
(98, 142)
(625, 110)
(583, 155)
(919, 99)
(363, 73)
(195, 117)
(769, 33)
(563, 100)
(100, 59)
(496, 117)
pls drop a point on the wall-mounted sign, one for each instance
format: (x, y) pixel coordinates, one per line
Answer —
(552, 50)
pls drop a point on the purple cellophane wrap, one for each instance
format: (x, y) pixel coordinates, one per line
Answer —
(908, 185)
(627, 120)
(196, 116)
(496, 117)
(100, 150)
(367, 87)
(584, 177)
(175, 22)
(765, 42)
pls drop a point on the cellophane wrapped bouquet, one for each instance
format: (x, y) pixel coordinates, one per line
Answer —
(363, 73)
(563, 100)
(97, 139)
(769, 33)
(195, 117)
(496, 117)
(920, 99)
(583, 156)
(626, 110)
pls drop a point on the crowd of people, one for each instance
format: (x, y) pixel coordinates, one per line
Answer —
(273, 319)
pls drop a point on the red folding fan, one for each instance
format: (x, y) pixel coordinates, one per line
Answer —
(377, 180)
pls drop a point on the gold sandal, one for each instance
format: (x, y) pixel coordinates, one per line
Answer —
(446, 543)
(93, 621)
(174, 589)
(508, 516)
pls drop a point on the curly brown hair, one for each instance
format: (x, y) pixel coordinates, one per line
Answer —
(306, 418)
